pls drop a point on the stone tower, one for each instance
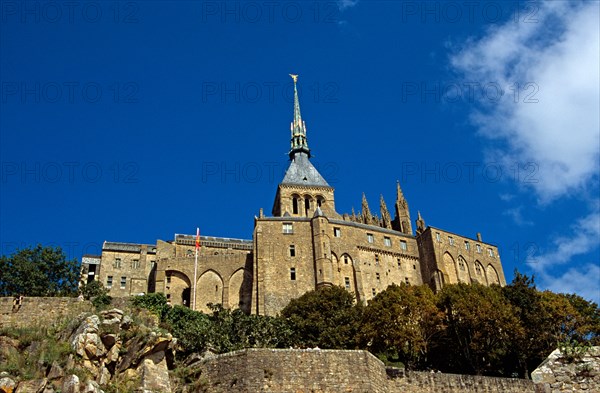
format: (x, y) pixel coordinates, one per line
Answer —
(401, 221)
(302, 189)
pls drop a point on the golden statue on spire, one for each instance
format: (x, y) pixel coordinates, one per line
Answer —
(294, 77)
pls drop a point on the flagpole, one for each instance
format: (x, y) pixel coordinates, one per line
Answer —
(196, 268)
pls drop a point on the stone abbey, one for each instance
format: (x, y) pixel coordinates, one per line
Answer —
(305, 244)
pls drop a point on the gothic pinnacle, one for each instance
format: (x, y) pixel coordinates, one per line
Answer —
(299, 143)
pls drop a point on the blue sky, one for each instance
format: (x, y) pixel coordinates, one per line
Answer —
(133, 121)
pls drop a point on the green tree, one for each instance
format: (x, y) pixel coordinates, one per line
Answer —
(401, 323)
(233, 329)
(327, 318)
(92, 289)
(192, 328)
(480, 322)
(38, 271)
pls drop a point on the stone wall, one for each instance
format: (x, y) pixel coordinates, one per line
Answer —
(424, 382)
(39, 310)
(280, 370)
(321, 371)
(561, 374)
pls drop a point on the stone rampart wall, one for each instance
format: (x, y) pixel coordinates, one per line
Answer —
(39, 310)
(324, 371)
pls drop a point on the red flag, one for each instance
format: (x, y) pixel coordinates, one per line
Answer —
(197, 238)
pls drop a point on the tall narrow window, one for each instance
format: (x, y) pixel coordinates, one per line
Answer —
(123, 282)
(467, 245)
(377, 277)
(478, 247)
(370, 237)
(490, 252)
(451, 240)
(293, 273)
(346, 259)
(376, 260)
(306, 205)
(117, 264)
(135, 264)
(347, 282)
(387, 241)
(403, 245)
(437, 237)
(295, 205)
(292, 250)
(168, 278)
(337, 232)
(399, 263)
(109, 281)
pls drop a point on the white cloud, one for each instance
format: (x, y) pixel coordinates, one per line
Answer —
(583, 281)
(583, 278)
(516, 213)
(345, 4)
(556, 62)
(553, 122)
(583, 238)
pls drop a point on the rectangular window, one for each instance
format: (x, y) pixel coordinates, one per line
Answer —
(490, 252)
(293, 273)
(437, 237)
(135, 264)
(347, 282)
(451, 240)
(337, 232)
(387, 241)
(467, 246)
(117, 264)
(370, 237)
(123, 282)
(345, 259)
(109, 282)
(478, 248)
(288, 228)
(403, 245)
(292, 250)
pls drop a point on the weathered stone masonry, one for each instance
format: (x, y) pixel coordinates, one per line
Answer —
(305, 244)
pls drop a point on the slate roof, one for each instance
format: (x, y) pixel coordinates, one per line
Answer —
(302, 172)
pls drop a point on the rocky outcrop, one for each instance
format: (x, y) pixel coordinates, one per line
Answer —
(108, 346)
(569, 372)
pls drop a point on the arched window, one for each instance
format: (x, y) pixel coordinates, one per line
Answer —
(295, 205)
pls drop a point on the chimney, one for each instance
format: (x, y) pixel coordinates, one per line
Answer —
(478, 236)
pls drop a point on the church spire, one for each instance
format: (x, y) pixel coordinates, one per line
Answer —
(299, 144)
